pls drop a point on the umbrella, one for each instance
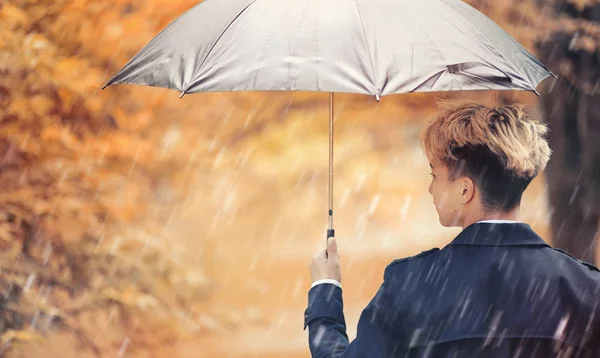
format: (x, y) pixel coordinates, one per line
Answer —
(372, 47)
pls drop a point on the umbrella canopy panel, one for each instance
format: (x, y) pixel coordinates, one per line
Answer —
(375, 47)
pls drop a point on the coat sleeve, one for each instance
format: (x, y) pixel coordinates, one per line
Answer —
(327, 336)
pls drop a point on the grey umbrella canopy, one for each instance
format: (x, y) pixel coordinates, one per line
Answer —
(373, 47)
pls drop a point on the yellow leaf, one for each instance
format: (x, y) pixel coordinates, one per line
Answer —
(67, 66)
(27, 336)
(131, 298)
(36, 41)
(41, 105)
(67, 97)
(11, 12)
(61, 134)
(132, 122)
(23, 195)
(41, 207)
(5, 231)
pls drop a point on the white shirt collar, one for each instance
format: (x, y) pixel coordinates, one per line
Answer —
(499, 221)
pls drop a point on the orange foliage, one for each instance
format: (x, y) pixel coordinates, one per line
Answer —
(75, 171)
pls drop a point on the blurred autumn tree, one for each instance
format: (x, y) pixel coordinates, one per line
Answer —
(79, 180)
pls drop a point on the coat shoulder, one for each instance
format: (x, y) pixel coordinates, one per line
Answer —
(586, 264)
(411, 258)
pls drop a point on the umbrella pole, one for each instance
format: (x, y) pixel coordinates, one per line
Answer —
(330, 230)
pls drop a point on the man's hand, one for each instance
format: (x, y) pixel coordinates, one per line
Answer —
(325, 264)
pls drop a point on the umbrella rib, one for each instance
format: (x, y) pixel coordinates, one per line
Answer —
(364, 32)
(424, 31)
(214, 44)
(132, 60)
(434, 77)
(490, 43)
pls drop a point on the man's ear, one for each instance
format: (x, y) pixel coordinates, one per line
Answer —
(467, 190)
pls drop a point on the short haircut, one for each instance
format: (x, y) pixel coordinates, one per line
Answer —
(500, 148)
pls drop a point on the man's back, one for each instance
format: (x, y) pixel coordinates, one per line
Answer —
(499, 289)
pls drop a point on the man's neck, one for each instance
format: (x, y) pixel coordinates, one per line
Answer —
(512, 215)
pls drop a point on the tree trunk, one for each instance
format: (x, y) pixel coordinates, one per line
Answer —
(571, 107)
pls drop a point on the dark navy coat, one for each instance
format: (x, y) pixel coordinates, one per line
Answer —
(497, 290)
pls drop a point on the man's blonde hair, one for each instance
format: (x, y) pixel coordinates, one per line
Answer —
(492, 145)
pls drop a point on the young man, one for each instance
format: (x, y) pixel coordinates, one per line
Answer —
(497, 290)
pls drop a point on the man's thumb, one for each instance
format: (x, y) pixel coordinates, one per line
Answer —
(331, 246)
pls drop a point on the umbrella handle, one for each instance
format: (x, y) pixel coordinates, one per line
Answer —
(330, 233)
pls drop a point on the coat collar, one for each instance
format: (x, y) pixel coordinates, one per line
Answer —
(498, 234)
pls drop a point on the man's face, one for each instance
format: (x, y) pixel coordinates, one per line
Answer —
(446, 195)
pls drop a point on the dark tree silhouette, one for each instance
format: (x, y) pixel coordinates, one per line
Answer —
(571, 106)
